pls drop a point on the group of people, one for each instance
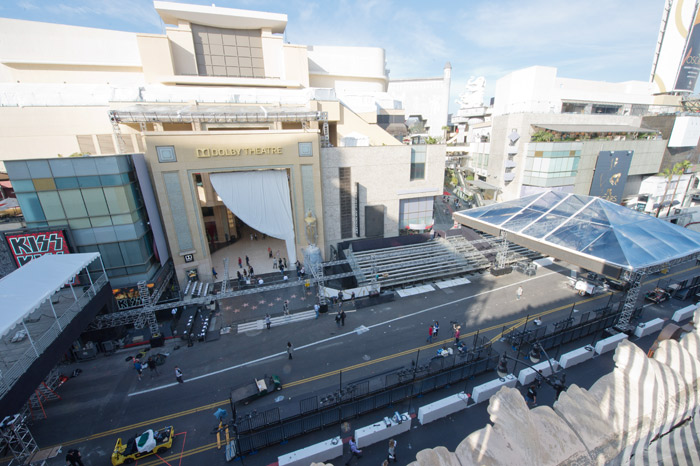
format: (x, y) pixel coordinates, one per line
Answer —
(355, 452)
(150, 363)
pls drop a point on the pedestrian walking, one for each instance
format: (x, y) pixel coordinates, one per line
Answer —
(247, 261)
(274, 263)
(269, 252)
(268, 321)
(73, 458)
(284, 259)
(317, 308)
(138, 367)
(281, 269)
(240, 263)
(352, 298)
(178, 375)
(255, 235)
(519, 292)
(251, 271)
(285, 307)
(290, 349)
(531, 396)
(436, 327)
(342, 318)
(392, 451)
(213, 272)
(457, 328)
(337, 319)
(354, 451)
(152, 366)
(430, 334)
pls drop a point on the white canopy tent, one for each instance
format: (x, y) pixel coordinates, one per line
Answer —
(261, 199)
(28, 287)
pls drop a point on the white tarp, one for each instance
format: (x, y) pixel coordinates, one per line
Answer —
(146, 441)
(25, 289)
(261, 199)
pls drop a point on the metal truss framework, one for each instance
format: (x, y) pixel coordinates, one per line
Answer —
(146, 314)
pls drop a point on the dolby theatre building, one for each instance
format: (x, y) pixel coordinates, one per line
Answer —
(241, 132)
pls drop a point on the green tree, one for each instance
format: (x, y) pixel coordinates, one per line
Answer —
(668, 174)
(678, 169)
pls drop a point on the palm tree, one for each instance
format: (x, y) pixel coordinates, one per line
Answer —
(678, 169)
(668, 174)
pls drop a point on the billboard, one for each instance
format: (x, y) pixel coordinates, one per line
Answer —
(690, 63)
(27, 246)
(610, 175)
(676, 25)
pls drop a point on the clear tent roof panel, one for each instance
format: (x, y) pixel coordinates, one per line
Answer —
(591, 227)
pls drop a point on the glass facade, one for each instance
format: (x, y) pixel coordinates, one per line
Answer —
(416, 214)
(418, 154)
(552, 164)
(99, 199)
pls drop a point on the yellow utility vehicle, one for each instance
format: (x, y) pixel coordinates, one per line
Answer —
(138, 446)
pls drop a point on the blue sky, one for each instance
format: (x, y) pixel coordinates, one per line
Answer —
(601, 40)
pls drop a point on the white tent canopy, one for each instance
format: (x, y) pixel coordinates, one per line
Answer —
(261, 199)
(25, 289)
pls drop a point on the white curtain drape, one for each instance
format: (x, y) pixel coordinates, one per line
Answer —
(261, 199)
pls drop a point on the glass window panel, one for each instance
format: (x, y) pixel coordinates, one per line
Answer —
(101, 221)
(17, 170)
(111, 255)
(44, 184)
(73, 203)
(23, 186)
(89, 181)
(117, 200)
(132, 252)
(62, 167)
(79, 223)
(137, 269)
(66, 183)
(39, 168)
(111, 180)
(51, 203)
(123, 219)
(95, 202)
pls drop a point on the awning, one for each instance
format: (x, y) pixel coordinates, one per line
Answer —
(482, 185)
(25, 289)
(595, 128)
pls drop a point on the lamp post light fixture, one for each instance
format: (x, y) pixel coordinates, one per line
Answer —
(557, 382)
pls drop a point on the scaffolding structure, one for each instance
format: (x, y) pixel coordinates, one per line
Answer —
(17, 438)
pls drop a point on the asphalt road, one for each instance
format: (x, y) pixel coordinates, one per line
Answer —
(108, 401)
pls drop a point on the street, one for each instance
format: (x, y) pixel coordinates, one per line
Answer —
(108, 401)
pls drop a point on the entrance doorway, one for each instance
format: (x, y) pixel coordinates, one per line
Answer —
(229, 237)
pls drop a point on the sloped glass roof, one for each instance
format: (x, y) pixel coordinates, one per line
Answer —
(590, 226)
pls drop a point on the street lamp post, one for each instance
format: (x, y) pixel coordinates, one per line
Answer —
(558, 383)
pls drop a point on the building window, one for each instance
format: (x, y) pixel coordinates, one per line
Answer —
(166, 154)
(345, 182)
(228, 52)
(306, 149)
(418, 162)
(416, 214)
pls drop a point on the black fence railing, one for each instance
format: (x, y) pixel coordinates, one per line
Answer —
(264, 429)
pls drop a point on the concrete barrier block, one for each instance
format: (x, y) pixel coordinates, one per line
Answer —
(528, 375)
(380, 431)
(318, 453)
(442, 408)
(610, 343)
(647, 328)
(685, 313)
(484, 391)
(576, 356)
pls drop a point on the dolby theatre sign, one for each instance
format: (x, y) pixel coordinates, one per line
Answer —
(230, 151)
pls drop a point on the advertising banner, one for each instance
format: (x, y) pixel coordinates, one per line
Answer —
(690, 64)
(610, 175)
(28, 246)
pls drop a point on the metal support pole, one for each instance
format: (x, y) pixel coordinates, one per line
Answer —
(54, 314)
(30, 338)
(92, 285)
(103, 268)
(73, 291)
